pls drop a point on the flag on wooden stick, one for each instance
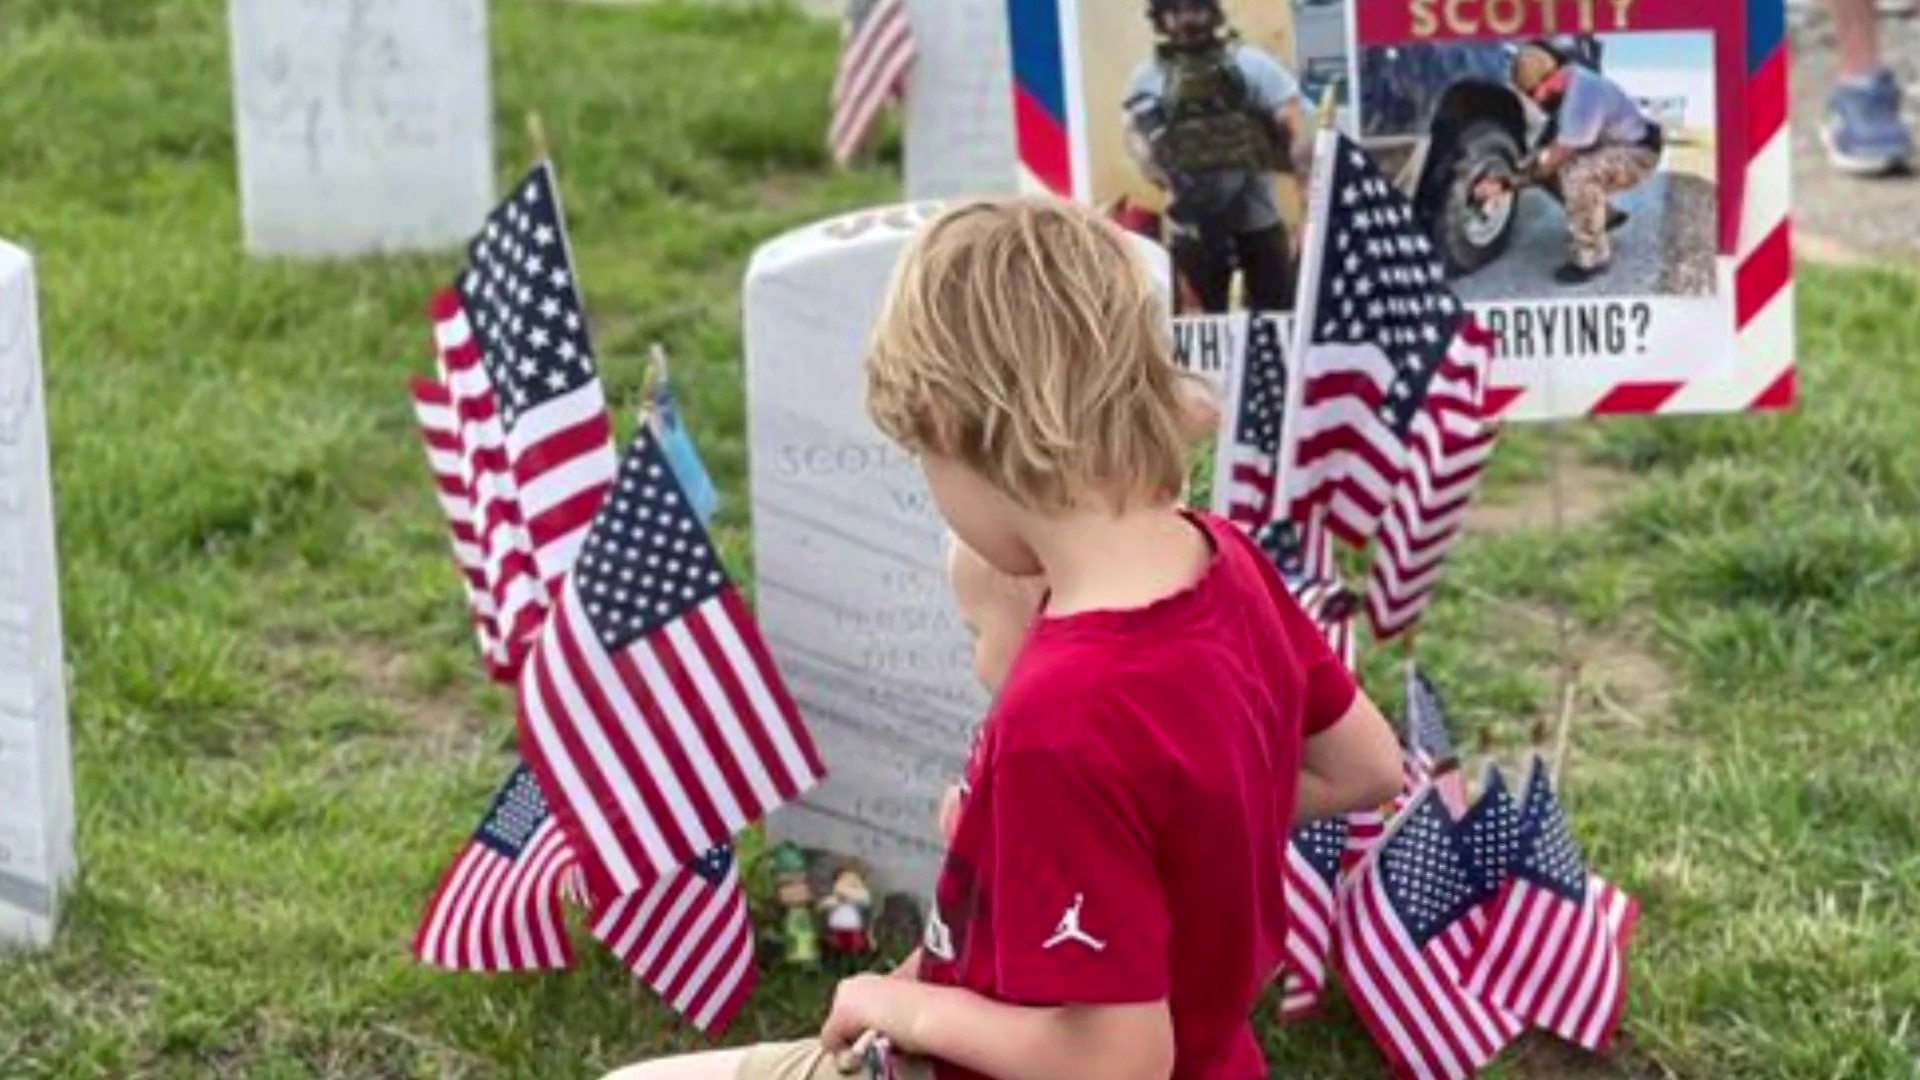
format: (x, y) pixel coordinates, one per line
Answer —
(650, 708)
(688, 937)
(1391, 430)
(876, 55)
(1400, 974)
(1555, 952)
(497, 908)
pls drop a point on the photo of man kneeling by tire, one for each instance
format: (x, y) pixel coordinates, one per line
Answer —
(1598, 143)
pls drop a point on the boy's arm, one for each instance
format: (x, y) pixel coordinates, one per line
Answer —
(1352, 765)
(1006, 1042)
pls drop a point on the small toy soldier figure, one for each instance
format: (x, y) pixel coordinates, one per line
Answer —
(846, 910)
(795, 893)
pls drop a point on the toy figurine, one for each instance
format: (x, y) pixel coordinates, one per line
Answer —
(795, 893)
(846, 909)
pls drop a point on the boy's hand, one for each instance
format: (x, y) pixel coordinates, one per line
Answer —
(867, 1003)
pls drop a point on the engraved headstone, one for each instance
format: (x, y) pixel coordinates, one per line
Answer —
(850, 574)
(363, 125)
(36, 780)
(959, 108)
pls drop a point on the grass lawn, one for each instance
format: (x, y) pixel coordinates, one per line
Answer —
(281, 732)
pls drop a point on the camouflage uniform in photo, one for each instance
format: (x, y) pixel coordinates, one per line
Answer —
(1615, 148)
(1206, 113)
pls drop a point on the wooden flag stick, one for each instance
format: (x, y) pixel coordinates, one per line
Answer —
(1329, 103)
(537, 137)
(1566, 664)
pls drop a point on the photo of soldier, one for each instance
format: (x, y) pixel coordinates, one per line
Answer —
(1214, 123)
(1597, 143)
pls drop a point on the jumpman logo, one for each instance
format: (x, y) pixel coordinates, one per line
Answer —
(1069, 928)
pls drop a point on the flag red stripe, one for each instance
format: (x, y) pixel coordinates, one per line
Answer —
(1439, 1003)
(686, 740)
(775, 787)
(646, 760)
(539, 688)
(748, 634)
(1407, 1035)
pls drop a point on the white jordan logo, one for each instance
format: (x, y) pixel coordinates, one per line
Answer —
(1069, 928)
(938, 940)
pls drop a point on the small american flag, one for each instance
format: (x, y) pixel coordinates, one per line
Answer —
(1555, 952)
(1313, 864)
(1390, 434)
(1490, 833)
(1315, 584)
(518, 292)
(440, 432)
(498, 908)
(506, 553)
(1244, 473)
(1451, 439)
(688, 937)
(1428, 743)
(875, 56)
(650, 707)
(1400, 975)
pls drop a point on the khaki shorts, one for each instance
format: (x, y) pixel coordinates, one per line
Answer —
(808, 1060)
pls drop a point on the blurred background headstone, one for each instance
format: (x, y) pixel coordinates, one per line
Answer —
(362, 125)
(36, 778)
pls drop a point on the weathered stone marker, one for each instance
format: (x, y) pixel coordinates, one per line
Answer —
(850, 576)
(36, 778)
(959, 110)
(363, 125)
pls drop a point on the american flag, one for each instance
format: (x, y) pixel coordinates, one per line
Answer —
(440, 432)
(1244, 473)
(1315, 584)
(519, 295)
(875, 56)
(1390, 434)
(650, 708)
(688, 937)
(1451, 440)
(1313, 864)
(498, 908)
(1490, 833)
(1555, 952)
(512, 587)
(1400, 975)
(1428, 743)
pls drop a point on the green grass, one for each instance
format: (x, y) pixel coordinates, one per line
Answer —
(280, 731)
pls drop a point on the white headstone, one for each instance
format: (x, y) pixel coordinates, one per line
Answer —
(850, 576)
(363, 125)
(959, 109)
(36, 778)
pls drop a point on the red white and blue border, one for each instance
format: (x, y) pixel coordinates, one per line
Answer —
(1745, 360)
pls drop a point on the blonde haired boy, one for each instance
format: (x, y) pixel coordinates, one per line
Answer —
(1111, 902)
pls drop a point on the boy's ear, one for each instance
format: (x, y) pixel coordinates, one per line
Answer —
(941, 426)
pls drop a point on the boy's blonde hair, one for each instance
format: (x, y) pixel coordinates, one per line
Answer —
(1025, 338)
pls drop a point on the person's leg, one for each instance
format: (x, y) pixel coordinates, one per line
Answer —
(1864, 132)
(1204, 267)
(1857, 33)
(713, 1065)
(1588, 179)
(1266, 260)
(1585, 197)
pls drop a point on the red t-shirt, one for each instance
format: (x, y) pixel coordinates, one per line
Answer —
(1128, 802)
